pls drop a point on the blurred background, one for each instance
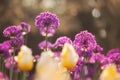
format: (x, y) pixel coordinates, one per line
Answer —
(100, 17)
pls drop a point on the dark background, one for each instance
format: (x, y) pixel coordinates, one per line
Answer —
(100, 17)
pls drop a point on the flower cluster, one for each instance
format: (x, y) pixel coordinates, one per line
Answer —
(80, 59)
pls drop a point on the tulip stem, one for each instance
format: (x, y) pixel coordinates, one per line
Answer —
(24, 75)
(12, 65)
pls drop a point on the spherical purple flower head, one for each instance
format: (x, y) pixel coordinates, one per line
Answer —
(47, 23)
(84, 43)
(3, 76)
(25, 27)
(62, 40)
(12, 31)
(17, 42)
(97, 58)
(42, 45)
(4, 48)
(114, 56)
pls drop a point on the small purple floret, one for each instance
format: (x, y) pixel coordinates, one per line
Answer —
(62, 40)
(12, 31)
(42, 45)
(25, 27)
(17, 42)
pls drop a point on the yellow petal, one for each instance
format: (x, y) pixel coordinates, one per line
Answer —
(109, 73)
(69, 56)
(25, 59)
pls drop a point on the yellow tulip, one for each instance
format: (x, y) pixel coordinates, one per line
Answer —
(49, 68)
(69, 57)
(110, 73)
(25, 59)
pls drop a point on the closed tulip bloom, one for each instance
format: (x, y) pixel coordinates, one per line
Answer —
(69, 56)
(110, 73)
(25, 59)
(49, 68)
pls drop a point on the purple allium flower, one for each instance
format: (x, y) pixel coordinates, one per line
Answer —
(113, 51)
(4, 48)
(8, 64)
(84, 42)
(97, 58)
(36, 57)
(62, 40)
(25, 27)
(114, 56)
(98, 49)
(12, 31)
(47, 23)
(42, 45)
(17, 42)
(3, 76)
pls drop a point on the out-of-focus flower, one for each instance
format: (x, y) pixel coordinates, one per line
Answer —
(24, 27)
(42, 45)
(113, 51)
(3, 76)
(4, 48)
(50, 68)
(110, 73)
(17, 42)
(36, 57)
(98, 49)
(61, 41)
(97, 58)
(84, 43)
(12, 31)
(47, 23)
(69, 56)
(25, 59)
(8, 64)
(114, 56)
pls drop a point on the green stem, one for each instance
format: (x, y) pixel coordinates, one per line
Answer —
(11, 69)
(46, 38)
(24, 75)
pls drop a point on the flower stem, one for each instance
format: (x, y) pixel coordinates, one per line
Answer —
(24, 75)
(46, 38)
(12, 62)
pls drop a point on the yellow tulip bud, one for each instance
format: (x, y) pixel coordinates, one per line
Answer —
(49, 68)
(25, 59)
(110, 73)
(69, 56)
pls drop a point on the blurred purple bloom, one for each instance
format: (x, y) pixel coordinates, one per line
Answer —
(36, 57)
(84, 43)
(4, 48)
(12, 31)
(47, 23)
(17, 42)
(25, 27)
(42, 45)
(62, 40)
(3, 76)
(8, 64)
(113, 51)
(98, 49)
(97, 58)
(114, 56)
